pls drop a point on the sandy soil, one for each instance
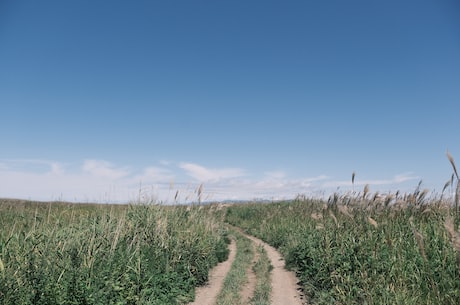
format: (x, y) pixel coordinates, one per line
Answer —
(285, 290)
(206, 295)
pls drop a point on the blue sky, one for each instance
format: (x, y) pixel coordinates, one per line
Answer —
(103, 100)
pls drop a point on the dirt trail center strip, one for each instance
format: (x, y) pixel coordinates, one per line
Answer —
(285, 290)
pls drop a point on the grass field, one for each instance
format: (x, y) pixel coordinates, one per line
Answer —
(53, 253)
(358, 249)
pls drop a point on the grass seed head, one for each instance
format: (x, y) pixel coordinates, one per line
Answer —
(454, 236)
(334, 218)
(447, 184)
(344, 210)
(373, 222)
(451, 159)
(365, 191)
(316, 216)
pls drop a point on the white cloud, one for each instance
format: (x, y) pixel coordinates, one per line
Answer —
(101, 168)
(274, 185)
(203, 174)
(57, 168)
(95, 180)
(275, 174)
(397, 179)
(31, 165)
(405, 177)
(165, 162)
(155, 174)
(102, 181)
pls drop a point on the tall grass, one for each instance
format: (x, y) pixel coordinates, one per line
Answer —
(106, 254)
(457, 188)
(363, 249)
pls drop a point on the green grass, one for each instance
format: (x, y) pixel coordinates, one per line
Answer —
(106, 254)
(262, 268)
(236, 277)
(351, 251)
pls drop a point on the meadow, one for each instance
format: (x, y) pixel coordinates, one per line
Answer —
(356, 248)
(58, 253)
(363, 249)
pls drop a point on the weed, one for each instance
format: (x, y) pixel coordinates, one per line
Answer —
(56, 253)
(361, 249)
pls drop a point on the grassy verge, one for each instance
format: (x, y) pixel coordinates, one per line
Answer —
(235, 279)
(262, 268)
(349, 252)
(106, 254)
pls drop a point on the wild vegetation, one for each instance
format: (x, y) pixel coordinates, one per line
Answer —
(54, 253)
(355, 248)
(236, 278)
(262, 269)
(352, 249)
(362, 249)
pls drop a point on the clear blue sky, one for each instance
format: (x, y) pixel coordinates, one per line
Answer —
(254, 99)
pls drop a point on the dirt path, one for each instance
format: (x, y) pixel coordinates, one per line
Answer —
(285, 290)
(206, 295)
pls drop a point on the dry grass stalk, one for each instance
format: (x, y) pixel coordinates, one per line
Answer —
(353, 180)
(334, 218)
(118, 232)
(344, 210)
(199, 192)
(365, 191)
(457, 195)
(373, 222)
(419, 238)
(176, 196)
(448, 183)
(389, 198)
(423, 194)
(316, 216)
(451, 159)
(421, 244)
(457, 189)
(426, 210)
(454, 236)
(376, 197)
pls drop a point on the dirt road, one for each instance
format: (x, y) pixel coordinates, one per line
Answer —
(206, 295)
(285, 290)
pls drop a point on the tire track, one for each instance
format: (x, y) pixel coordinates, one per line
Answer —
(284, 287)
(206, 295)
(284, 283)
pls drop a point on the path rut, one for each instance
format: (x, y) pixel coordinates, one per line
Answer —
(206, 295)
(285, 290)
